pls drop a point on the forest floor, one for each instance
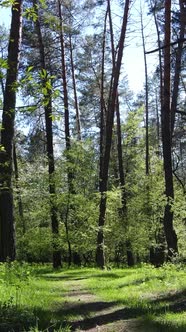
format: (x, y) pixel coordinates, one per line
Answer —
(127, 300)
(97, 315)
(34, 298)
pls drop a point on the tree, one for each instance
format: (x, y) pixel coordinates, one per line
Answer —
(178, 64)
(47, 94)
(108, 139)
(146, 95)
(170, 233)
(7, 241)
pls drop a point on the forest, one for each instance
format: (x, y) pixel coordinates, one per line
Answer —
(92, 172)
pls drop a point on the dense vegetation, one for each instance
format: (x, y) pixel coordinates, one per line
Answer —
(101, 167)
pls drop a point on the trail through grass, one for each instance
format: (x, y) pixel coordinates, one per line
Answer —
(35, 298)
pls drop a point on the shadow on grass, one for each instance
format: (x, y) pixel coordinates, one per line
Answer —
(107, 318)
(13, 318)
(88, 315)
(103, 313)
(85, 309)
(80, 315)
(64, 278)
(176, 300)
(82, 275)
(172, 296)
(137, 282)
(91, 315)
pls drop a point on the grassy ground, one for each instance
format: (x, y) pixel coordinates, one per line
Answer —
(35, 298)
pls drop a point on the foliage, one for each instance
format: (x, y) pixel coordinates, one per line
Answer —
(78, 211)
(15, 278)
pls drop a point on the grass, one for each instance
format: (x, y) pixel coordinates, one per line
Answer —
(35, 298)
(158, 296)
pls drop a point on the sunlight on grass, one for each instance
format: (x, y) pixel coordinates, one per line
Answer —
(170, 322)
(38, 297)
(149, 290)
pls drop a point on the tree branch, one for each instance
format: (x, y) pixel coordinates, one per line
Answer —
(164, 46)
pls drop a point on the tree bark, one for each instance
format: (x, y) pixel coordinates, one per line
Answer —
(100, 257)
(20, 204)
(120, 162)
(67, 232)
(170, 234)
(177, 71)
(102, 106)
(123, 210)
(7, 237)
(70, 174)
(119, 139)
(64, 78)
(159, 54)
(50, 151)
(146, 100)
(78, 122)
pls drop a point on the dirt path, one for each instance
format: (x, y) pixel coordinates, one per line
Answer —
(95, 315)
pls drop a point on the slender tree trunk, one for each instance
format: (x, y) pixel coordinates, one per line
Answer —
(119, 140)
(64, 78)
(128, 244)
(78, 122)
(109, 125)
(177, 72)
(7, 236)
(120, 161)
(159, 53)
(130, 257)
(170, 234)
(147, 160)
(67, 232)
(113, 51)
(2, 83)
(100, 257)
(20, 204)
(70, 174)
(102, 106)
(50, 150)
(157, 124)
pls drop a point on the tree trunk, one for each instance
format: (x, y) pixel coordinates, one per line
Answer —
(67, 232)
(109, 125)
(170, 234)
(102, 106)
(123, 210)
(78, 123)
(20, 205)
(7, 238)
(146, 100)
(157, 125)
(50, 151)
(70, 174)
(100, 257)
(159, 53)
(63, 67)
(177, 71)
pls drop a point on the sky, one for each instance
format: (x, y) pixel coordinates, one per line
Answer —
(133, 60)
(5, 15)
(133, 52)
